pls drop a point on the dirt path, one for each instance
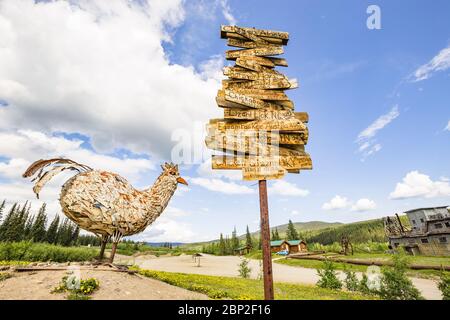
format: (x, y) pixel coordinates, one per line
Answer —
(228, 266)
(113, 285)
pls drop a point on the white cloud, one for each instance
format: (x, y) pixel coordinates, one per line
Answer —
(166, 229)
(226, 11)
(99, 68)
(448, 126)
(295, 213)
(285, 188)
(336, 203)
(416, 184)
(440, 62)
(378, 124)
(364, 204)
(23, 147)
(366, 138)
(219, 185)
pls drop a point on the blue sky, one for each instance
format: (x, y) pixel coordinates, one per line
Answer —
(360, 87)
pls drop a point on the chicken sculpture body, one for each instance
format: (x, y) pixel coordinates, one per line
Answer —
(105, 203)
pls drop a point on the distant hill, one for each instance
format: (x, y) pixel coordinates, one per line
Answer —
(358, 232)
(300, 226)
(328, 232)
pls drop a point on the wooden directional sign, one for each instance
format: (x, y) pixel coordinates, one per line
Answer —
(260, 133)
(259, 120)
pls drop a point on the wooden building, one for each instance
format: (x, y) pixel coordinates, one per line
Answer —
(243, 250)
(292, 246)
(428, 232)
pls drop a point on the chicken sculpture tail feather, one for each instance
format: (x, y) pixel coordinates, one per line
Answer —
(45, 174)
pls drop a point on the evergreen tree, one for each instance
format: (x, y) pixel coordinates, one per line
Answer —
(221, 246)
(248, 238)
(275, 235)
(75, 234)
(52, 232)
(18, 228)
(291, 233)
(6, 228)
(2, 207)
(38, 231)
(28, 227)
(234, 239)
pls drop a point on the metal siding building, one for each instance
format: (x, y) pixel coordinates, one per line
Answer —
(429, 234)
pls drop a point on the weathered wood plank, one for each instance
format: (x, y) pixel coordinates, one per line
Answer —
(261, 114)
(238, 162)
(255, 63)
(281, 138)
(279, 61)
(225, 30)
(260, 51)
(252, 147)
(264, 94)
(263, 173)
(264, 82)
(244, 100)
(283, 125)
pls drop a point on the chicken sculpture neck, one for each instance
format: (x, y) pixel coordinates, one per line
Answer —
(105, 203)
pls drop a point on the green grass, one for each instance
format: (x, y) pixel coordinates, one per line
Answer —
(316, 264)
(432, 261)
(28, 251)
(243, 289)
(130, 249)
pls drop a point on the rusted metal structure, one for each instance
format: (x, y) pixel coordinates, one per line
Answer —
(105, 203)
(428, 234)
(260, 133)
(346, 246)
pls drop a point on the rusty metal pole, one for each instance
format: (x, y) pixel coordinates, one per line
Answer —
(265, 241)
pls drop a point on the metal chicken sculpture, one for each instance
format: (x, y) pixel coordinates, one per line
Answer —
(105, 203)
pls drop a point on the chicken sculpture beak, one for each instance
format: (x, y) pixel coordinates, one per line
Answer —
(181, 180)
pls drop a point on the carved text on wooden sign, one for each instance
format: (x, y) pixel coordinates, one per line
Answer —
(260, 133)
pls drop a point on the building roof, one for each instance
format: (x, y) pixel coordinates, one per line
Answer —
(276, 243)
(430, 208)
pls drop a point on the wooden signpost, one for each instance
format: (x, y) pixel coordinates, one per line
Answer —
(260, 132)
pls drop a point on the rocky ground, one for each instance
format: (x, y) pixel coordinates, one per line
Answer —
(37, 285)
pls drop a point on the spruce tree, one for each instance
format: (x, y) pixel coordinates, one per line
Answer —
(6, 228)
(248, 238)
(221, 246)
(2, 207)
(28, 227)
(234, 239)
(291, 233)
(38, 231)
(275, 235)
(52, 232)
(75, 234)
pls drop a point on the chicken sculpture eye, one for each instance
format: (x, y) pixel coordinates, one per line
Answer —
(172, 173)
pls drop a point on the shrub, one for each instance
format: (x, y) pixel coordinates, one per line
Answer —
(244, 270)
(77, 292)
(444, 285)
(395, 285)
(363, 285)
(351, 281)
(28, 251)
(328, 276)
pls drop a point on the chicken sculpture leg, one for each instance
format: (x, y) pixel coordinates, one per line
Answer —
(105, 203)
